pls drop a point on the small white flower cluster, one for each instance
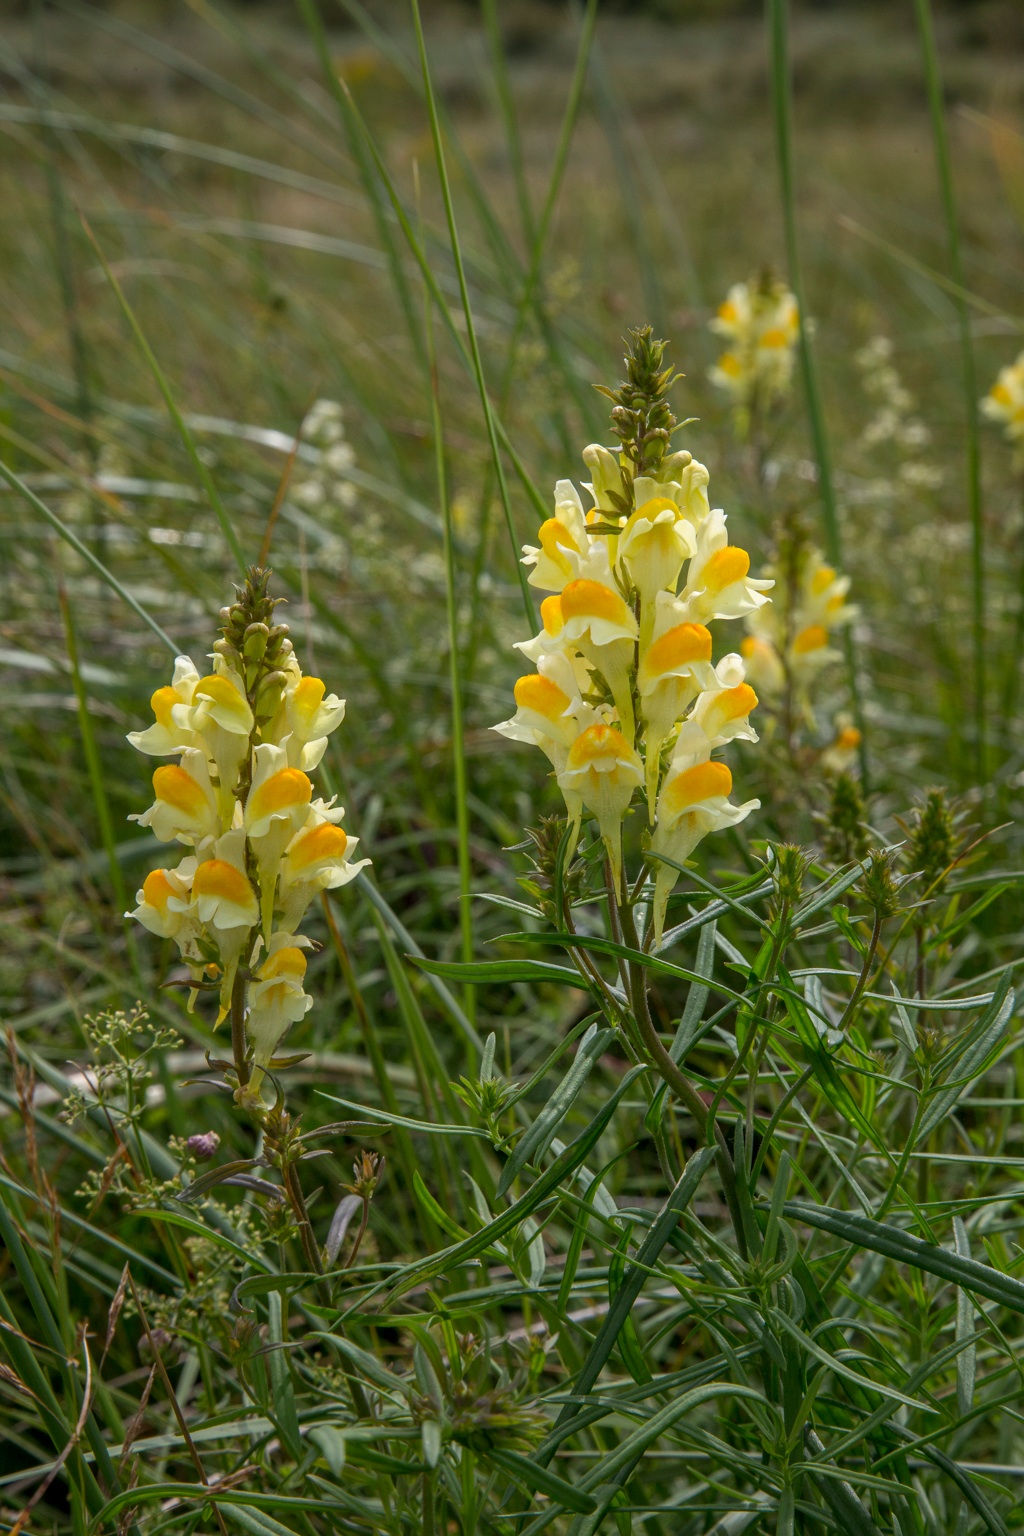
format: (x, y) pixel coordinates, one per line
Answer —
(894, 421)
(325, 484)
(623, 660)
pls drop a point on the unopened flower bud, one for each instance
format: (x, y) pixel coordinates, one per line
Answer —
(203, 1145)
(789, 871)
(254, 642)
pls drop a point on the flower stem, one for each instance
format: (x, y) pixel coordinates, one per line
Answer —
(238, 1028)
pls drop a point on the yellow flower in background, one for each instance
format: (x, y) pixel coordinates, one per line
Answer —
(1004, 402)
(841, 753)
(760, 323)
(791, 643)
(247, 736)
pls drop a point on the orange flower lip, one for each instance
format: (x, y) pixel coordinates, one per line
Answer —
(552, 615)
(157, 889)
(161, 703)
(555, 538)
(652, 509)
(592, 600)
(598, 743)
(288, 961)
(724, 567)
(317, 846)
(813, 638)
(308, 696)
(219, 689)
(280, 793)
(175, 787)
(734, 703)
(684, 643)
(541, 695)
(216, 877)
(702, 782)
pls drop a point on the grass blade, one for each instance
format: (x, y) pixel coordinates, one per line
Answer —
(937, 109)
(467, 310)
(206, 480)
(778, 20)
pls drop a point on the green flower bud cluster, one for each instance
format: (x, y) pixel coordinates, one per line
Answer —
(642, 418)
(254, 646)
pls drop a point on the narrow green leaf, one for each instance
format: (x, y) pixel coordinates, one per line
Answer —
(486, 972)
(632, 1284)
(257, 1523)
(181, 425)
(282, 1391)
(437, 1211)
(579, 1233)
(534, 1479)
(532, 1146)
(962, 1479)
(598, 946)
(825, 1071)
(880, 1237)
(628, 1341)
(421, 1127)
(966, 1360)
(840, 1367)
(972, 1060)
(778, 40)
(330, 1442)
(825, 894)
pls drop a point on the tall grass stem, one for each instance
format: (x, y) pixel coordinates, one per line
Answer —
(968, 373)
(454, 663)
(778, 36)
(183, 429)
(467, 308)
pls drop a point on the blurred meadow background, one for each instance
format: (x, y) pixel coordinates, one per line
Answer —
(226, 262)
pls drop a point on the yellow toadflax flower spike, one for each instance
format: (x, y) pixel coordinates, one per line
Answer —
(247, 736)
